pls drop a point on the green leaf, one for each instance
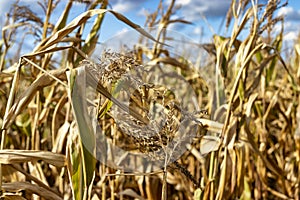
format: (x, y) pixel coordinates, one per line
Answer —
(77, 94)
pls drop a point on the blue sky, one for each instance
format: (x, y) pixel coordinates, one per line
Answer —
(191, 10)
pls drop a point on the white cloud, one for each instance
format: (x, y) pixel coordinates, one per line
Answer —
(124, 37)
(126, 6)
(183, 2)
(143, 12)
(5, 6)
(289, 26)
(122, 31)
(289, 13)
(198, 30)
(291, 36)
(190, 10)
(193, 10)
(291, 31)
(122, 7)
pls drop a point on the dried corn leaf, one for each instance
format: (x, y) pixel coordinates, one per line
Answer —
(8, 156)
(209, 143)
(210, 125)
(30, 188)
(25, 98)
(9, 196)
(81, 19)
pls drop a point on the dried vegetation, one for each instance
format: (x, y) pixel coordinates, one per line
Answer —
(246, 146)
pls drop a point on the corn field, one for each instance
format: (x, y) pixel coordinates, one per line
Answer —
(156, 117)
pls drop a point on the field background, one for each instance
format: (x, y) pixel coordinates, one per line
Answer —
(248, 144)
